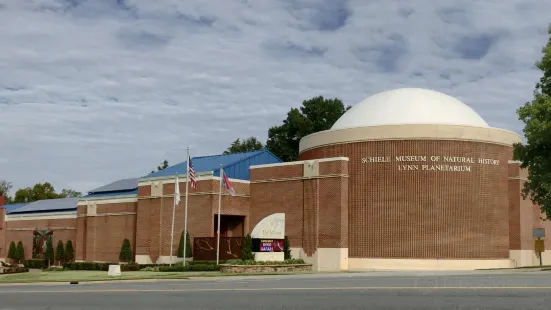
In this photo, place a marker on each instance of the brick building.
(408, 178)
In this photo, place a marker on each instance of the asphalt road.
(373, 290)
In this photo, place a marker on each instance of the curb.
(58, 283)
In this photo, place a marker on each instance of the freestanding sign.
(539, 245)
(268, 238)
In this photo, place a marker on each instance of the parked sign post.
(539, 244)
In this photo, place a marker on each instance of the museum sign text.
(431, 163)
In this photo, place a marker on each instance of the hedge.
(99, 266)
(298, 261)
(34, 263)
(190, 267)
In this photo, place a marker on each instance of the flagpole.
(185, 209)
(176, 192)
(219, 214)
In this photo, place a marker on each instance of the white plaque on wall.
(270, 227)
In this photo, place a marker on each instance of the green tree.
(535, 153)
(69, 252)
(247, 249)
(69, 193)
(181, 246)
(246, 145)
(59, 252)
(39, 191)
(287, 248)
(12, 252)
(126, 251)
(163, 166)
(5, 188)
(315, 114)
(49, 252)
(19, 252)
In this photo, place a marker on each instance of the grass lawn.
(66, 276)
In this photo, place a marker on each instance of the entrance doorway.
(230, 225)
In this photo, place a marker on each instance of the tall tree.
(59, 252)
(69, 251)
(19, 252)
(315, 114)
(12, 252)
(70, 193)
(246, 145)
(163, 166)
(125, 254)
(39, 191)
(49, 253)
(5, 188)
(535, 154)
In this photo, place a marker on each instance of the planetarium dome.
(408, 106)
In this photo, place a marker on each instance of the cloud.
(95, 91)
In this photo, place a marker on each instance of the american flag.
(191, 174)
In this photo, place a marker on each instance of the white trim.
(45, 228)
(323, 176)
(108, 214)
(107, 199)
(299, 162)
(205, 178)
(518, 178)
(41, 216)
(198, 176)
(408, 132)
(515, 162)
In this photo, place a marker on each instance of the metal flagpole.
(176, 192)
(219, 214)
(185, 210)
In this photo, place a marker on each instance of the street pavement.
(369, 290)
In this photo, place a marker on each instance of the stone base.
(324, 259)
(264, 268)
(426, 264)
(525, 258)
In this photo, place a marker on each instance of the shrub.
(34, 264)
(247, 250)
(12, 252)
(59, 252)
(253, 262)
(19, 252)
(188, 246)
(11, 270)
(99, 266)
(69, 252)
(126, 251)
(287, 248)
(49, 252)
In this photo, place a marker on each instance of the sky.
(99, 90)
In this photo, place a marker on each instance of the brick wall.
(154, 218)
(316, 208)
(99, 236)
(425, 214)
(22, 230)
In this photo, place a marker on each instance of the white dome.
(406, 106)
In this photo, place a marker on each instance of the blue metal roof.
(120, 185)
(13, 206)
(48, 205)
(235, 165)
(112, 194)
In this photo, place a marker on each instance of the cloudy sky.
(92, 91)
